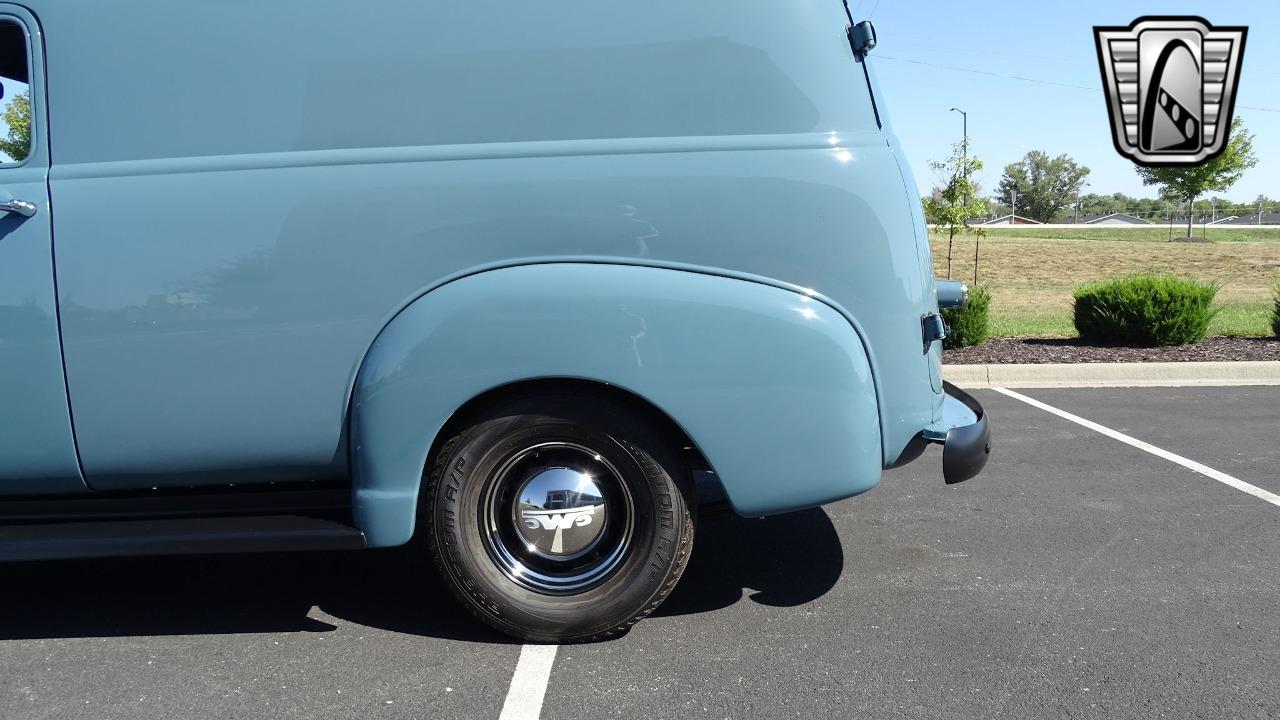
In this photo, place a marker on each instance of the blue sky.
(921, 41)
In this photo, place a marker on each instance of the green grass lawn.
(1032, 272)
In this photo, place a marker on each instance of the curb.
(1135, 374)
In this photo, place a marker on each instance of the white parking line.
(1205, 470)
(529, 683)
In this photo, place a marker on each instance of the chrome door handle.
(21, 207)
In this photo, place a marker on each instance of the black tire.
(647, 511)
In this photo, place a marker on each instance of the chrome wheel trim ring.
(527, 555)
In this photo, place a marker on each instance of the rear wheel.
(560, 517)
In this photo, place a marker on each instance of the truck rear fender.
(773, 386)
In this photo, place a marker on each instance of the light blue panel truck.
(529, 283)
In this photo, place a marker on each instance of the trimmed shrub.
(968, 325)
(1275, 314)
(1144, 310)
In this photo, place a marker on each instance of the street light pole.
(964, 165)
(964, 169)
(964, 141)
(964, 147)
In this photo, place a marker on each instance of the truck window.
(15, 94)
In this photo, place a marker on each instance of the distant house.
(1271, 218)
(1007, 220)
(1113, 219)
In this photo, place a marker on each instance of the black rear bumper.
(964, 434)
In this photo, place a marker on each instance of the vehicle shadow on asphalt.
(396, 590)
(785, 560)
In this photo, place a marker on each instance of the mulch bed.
(1072, 350)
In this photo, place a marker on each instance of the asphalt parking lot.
(1076, 577)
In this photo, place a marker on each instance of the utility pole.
(1013, 215)
(1083, 186)
(1213, 203)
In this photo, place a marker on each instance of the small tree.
(1186, 183)
(978, 234)
(957, 201)
(17, 115)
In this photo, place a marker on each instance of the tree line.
(1155, 209)
(1050, 189)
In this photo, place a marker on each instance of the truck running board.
(175, 536)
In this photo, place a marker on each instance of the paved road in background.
(1076, 577)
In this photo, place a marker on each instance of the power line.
(989, 73)
(1022, 78)
(952, 50)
